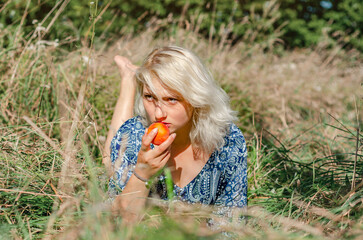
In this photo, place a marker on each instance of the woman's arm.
(149, 161)
(133, 197)
(124, 106)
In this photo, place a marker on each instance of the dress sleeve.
(234, 194)
(232, 199)
(124, 150)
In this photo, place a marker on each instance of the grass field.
(300, 111)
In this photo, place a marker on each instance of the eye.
(148, 97)
(173, 100)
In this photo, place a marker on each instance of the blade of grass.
(169, 183)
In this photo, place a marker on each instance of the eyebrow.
(174, 95)
(146, 90)
(170, 95)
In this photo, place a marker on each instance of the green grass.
(57, 106)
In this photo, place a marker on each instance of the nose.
(160, 113)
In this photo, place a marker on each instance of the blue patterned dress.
(222, 181)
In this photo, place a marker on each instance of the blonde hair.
(182, 71)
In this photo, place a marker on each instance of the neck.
(183, 146)
(179, 145)
(182, 140)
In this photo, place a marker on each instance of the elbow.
(121, 207)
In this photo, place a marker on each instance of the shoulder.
(130, 133)
(131, 126)
(235, 141)
(234, 150)
(235, 133)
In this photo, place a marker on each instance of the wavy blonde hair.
(182, 71)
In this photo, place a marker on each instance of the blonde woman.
(205, 152)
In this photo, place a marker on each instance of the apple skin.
(163, 132)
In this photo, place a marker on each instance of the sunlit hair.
(182, 71)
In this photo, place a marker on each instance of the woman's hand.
(150, 161)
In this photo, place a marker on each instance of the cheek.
(188, 111)
(149, 108)
(185, 114)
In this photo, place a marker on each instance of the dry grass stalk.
(279, 89)
(69, 167)
(44, 136)
(35, 193)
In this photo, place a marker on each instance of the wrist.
(140, 177)
(146, 181)
(141, 173)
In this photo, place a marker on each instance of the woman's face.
(168, 107)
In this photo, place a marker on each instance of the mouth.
(166, 124)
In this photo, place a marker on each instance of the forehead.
(159, 89)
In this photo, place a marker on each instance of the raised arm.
(124, 106)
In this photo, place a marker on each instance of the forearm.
(149, 161)
(132, 200)
(123, 111)
(124, 105)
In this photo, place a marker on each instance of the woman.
(205, 152)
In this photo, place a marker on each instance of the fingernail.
(154, 130)
(173, 135)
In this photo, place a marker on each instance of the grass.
(299, 111)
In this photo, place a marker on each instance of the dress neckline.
(209, 162)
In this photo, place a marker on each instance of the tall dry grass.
(299, 111)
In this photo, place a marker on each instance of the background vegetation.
(293, 70)
(296, 23)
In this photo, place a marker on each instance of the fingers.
(161, 160)
(166, 144)
(148, 138)
(165, 159)
(159, 150)
(154, 158)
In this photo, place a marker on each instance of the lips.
(167, 124)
